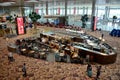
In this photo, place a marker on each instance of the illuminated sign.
(20, 25)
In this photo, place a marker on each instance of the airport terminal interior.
(59, 39)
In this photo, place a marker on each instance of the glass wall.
(101, 12)
(56, 8)
(89, 10)
(114, 12)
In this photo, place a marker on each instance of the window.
(80, 11)
(114, 12)
(101, 12)
(89, 11)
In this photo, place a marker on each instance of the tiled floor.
(43, 70)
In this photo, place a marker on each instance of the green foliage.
(11, 19)
(34, 16)
(84, 19)
(114, 17)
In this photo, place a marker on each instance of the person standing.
(98, 72)
(89, 70)
(102, 35)
(24, 70)
(10, 57)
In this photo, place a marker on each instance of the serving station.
(66, 46)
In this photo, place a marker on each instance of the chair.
(31, 53)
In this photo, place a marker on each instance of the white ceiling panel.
(98, 2)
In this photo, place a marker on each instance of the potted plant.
(84, 19)
(12, 21)
(114, 18)
(34, 17)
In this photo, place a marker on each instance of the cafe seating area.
(66, 46)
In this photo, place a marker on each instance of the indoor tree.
(34, 17)
(12, 21)
(84, 19)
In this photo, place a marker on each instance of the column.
(22, 8)
(53, 8)
(46, 7)
(3, 9)
(83, 10)
(93, 22)
(66, 22)
(74, 11)
(106, 13)
(65, 8)
(86, 10)
(33, 7)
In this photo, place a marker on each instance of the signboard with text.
(20, 25)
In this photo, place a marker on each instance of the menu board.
(20, 25)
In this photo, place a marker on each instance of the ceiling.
(18, 3)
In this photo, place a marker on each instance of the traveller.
(24, 70)
(89, 70)
(10, 57)
(102, 35)
(98, 71)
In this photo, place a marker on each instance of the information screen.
(20, 25)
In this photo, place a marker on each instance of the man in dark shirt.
(102, 35)
(24, 70)
(98, 72)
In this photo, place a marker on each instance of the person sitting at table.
(111, 52)
(18, 43)
(24, 44)
(75, 55)
(72, 48)
(43, 40)
(63, 55)
(29, 45)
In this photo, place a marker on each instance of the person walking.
(98, 72)
(24, 70)
(102, 35)
(89, 70)
(10, 57)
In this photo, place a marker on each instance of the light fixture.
(100, 38)
(31, 0)
(6, 3)
(103, 40)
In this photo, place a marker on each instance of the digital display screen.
(20, 25)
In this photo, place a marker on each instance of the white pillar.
(93, 14)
